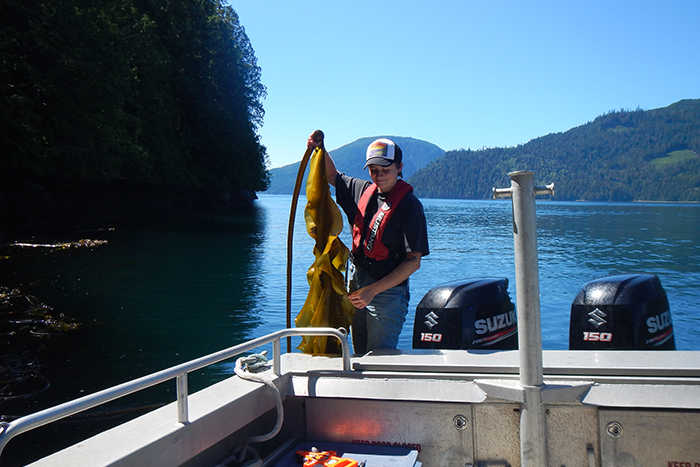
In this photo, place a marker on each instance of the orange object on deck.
(324, 458)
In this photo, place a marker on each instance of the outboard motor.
(621, 312)
(472, 314)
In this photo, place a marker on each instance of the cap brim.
(378, 161)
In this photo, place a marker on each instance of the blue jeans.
(379, 324)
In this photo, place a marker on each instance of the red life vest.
(373, 246)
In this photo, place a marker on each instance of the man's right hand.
(315, 140)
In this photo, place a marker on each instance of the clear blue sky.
(463, 74)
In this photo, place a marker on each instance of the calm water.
(159, 295)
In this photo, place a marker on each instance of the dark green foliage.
(621, 156)
(156, 92)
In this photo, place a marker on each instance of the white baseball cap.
(383, 152)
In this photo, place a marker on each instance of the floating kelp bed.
(25, 322)
(29, 330)
(83, 243)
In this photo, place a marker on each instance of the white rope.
(245, 368)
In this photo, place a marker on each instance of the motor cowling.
(621, 312)
(470, 314)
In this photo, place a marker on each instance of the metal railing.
(179, 373)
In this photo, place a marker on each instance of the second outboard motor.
(472, 314)
(621, 312)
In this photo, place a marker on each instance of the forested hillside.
(649, 155)
(145, 92)
(350, 159)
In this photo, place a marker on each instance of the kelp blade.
(327, 303)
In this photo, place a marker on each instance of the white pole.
(533, 422)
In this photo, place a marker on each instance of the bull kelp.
(327, 303)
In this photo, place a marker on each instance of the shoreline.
(58, 207)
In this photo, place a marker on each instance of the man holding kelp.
(389, 238)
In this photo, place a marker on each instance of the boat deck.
(454, 406)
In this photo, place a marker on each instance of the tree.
(146, 91)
